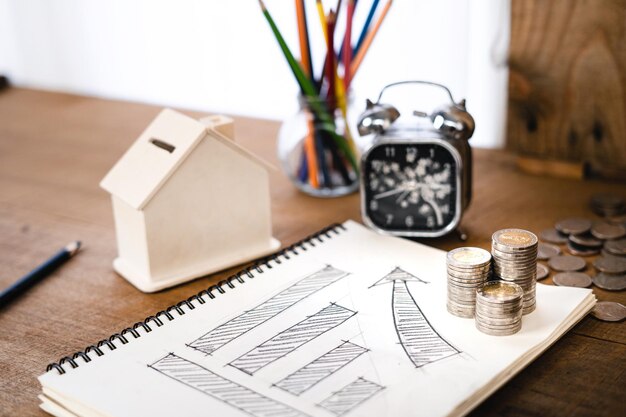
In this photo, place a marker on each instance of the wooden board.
(567, 85)
(55, 148)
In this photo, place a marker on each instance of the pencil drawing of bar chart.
(320, 368)
(351, 396)
(234, 328)
(290, 339)
(222, 389)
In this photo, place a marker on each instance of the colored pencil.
(311, 155)
(324, 149)
(347, 45)
(358, 59)
(366, 25)
(330, 70)
(39, 273)
(303, 35)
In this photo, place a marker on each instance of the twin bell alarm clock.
(416, 178)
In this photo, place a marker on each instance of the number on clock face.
(410, 187)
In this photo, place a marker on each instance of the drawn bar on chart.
(290, 339)
(350, 396)
(222, 389)
(320, 368)
(420, 341)
(232, 329)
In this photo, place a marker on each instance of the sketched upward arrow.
(420, 341)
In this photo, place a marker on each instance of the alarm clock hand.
(390, 192)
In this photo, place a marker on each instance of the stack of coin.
(499, 308)
(608, 205)
(514, 253)
(468, 269)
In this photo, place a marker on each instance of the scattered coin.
(552, 236)
(616, 247)
(546, 251)
(608, 231)
(573, 226)
(611, 282)
(567, 263)
(542, 271)
(609, 311)
(610, 265)
(617, 219)
(579, 250)
(586, 240)
(607, 254)
(572, 279)
(606, 204)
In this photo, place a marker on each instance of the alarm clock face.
(412, 189)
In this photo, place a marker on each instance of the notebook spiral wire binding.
(221, 287)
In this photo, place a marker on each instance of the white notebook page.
(354, 326)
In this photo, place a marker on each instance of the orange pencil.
(358, 59)
(305, 53)
(311, 155)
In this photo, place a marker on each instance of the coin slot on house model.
(163, 145)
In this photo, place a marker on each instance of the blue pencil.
(366, 26)
(38, 273)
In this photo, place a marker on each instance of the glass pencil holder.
(316, 148)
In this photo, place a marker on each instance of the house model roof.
(156, 155)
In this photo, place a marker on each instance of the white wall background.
(221, 56)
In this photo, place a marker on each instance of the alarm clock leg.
(462, 234)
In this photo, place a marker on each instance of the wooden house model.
(188, 201)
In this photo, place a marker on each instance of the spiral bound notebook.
(345, 322)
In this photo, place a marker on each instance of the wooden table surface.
(55, 148)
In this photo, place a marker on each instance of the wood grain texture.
(567, 85)
(55, 148)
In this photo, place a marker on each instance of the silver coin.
(609, 311)
(542, 271)
(460, 312)
(495, 324)
(567, 263)
(586, 240)
(607, 204)
(611, 282)
(611, 265)
(573, 226)
(572, 279)
(500, 291)
(552, 236)
(608, 231)
(529, 309)
(616, 247)
(491, 332)
(498, 324)
(520, 255)
(514, 267)
(514, 239)
(607, 200)
(498, 308)
(546, 251)
(578, 250)
(617, 219)
(468, 273)
(468, 257)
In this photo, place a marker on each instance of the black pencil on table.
(38, 273)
